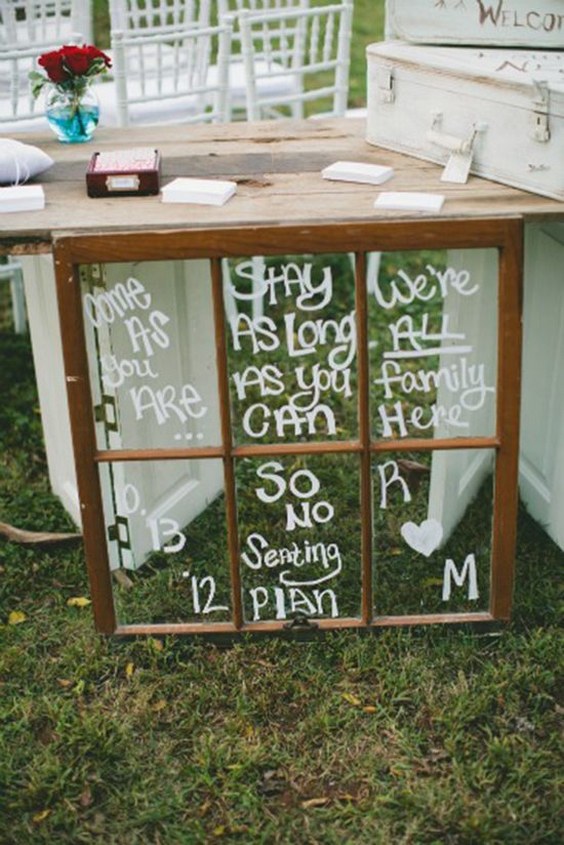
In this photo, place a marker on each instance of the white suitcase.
(505, 23)
(499, 113)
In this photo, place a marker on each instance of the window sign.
(153, 371)
(300, 537)
(416, 540)
(433, 342)
(295, 429)
(292, 355)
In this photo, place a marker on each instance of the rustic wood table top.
(276, 165)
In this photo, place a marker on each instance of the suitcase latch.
(541, 129)
(541, 108)
(385, 84)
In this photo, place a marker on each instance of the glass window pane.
(432, 328)
(291, 336)
(432, 531)
(151, 350)
(166, 530)
(299, 527)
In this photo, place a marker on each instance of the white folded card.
(22, 198)
(203, 191)
(356, 171)
(408, 201)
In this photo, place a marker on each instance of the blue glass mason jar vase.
(72, 115)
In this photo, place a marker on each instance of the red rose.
(94, 53)
(54, 67)
(76, 60)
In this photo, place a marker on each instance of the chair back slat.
(133, 15)
(171, 82)
(308, 47)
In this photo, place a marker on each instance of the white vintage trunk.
(503, 109)
(505, 23)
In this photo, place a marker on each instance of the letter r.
(385, 482)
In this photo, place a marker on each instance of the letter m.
(468, 571)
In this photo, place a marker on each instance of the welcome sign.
(502, 23)
(317, 432)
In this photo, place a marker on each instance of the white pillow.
(20, 162)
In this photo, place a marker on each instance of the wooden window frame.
(504, 234)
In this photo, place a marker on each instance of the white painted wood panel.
(503, 23)
(542, 416)
(43, 318)
(176, 491)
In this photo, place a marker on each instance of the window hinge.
(119, 532)
(106, 412)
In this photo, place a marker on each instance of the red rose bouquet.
(71, 107)
(71, 68)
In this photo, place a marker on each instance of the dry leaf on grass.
(315, 802)
(16, 617)
(351, 699)
(78, 601)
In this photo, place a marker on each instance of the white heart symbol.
(424, 538)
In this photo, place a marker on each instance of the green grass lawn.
(431, 735)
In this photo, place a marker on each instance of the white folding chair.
(19, 111)
(268, 83)
(310, 47)
(163, 90)
(139, 17)
(27, 22)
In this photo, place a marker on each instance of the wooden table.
(277, 167)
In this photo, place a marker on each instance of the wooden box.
(134, 172)
(503, 109)
(504, 23)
